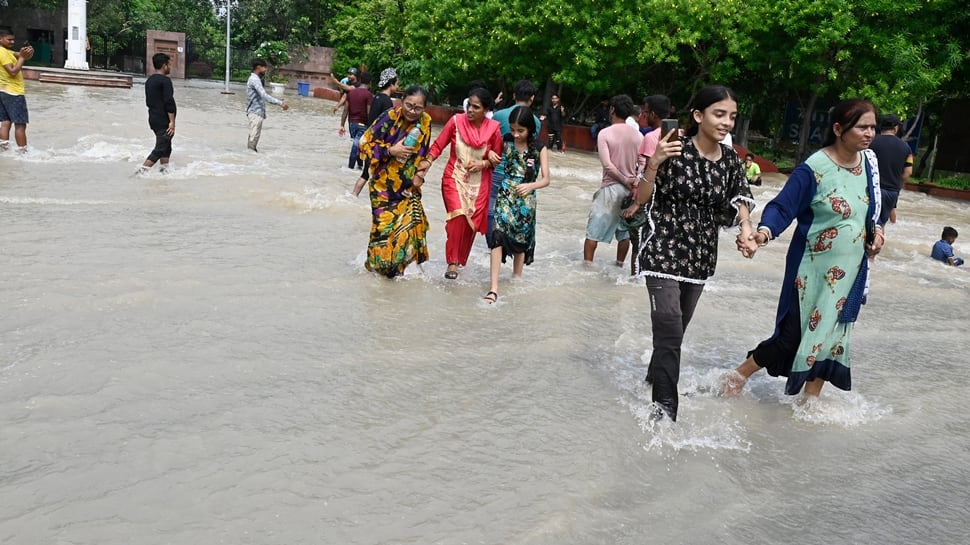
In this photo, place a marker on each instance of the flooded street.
(200, 357)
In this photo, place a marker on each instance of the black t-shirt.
(381, 104)
(554, 117)
(891, 152)
(160, 99)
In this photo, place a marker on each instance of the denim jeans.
(356, 131)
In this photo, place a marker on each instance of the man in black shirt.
(895, 164)
(160, 99)
(553, 118)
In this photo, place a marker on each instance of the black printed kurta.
(693, 197)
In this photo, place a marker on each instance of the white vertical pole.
(77, 34)
(228, 28)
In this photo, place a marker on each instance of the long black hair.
(704, 98)
(523, 116)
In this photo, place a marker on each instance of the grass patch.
(783, 157)
(951, 180)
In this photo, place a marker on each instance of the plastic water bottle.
(411, 139)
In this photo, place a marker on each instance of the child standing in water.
(525, 163)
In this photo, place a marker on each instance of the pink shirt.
(648, 147)
(618, 147)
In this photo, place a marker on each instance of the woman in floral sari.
(467, 180)
(392, 148)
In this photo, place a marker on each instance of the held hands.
(493, 157)
(477, 165)
(423, 166)
(749, 241)
(418, 180)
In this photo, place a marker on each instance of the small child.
(943, 249)
(752, 170)
(525, 163)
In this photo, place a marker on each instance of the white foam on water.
(321, 198)
(695, 433)
(837, 408)
(583, 174)
(51, 201)
(94, 148)
(705, 422)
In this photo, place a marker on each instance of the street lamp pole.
(228, 30)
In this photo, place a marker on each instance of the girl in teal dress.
(525, 163)
(832, 195)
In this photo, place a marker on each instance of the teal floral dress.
(515, 216)
(827, 270)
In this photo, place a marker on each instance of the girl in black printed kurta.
(693, 186)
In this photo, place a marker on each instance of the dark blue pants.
(356, 131)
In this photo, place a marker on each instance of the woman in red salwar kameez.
(467, 180)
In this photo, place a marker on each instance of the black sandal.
(452, 275)
(489, 297)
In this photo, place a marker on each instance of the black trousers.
(555, 139)
(672, 305)
(163, 146)
(777, 354)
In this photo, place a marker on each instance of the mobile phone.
(667, 125)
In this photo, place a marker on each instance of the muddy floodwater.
(199, 357)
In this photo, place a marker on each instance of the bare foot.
(732, 384)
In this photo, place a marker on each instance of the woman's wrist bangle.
(762, 230)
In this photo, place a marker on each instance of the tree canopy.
(906, 57)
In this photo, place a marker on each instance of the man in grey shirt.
(257, 97)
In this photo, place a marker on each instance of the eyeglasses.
(412, 108)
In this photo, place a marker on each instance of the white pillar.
(77, 35)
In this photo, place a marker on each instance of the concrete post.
(77, 35)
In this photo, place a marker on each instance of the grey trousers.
(255, 130)
(672, 305)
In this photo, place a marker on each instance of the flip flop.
(452, 274)
(491, 297)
